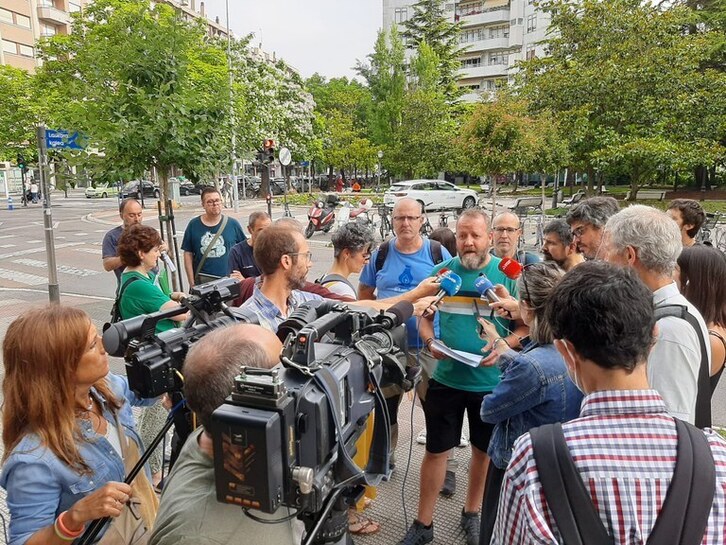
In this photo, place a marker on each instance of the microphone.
(443, 272)
(511, 268)
(450, 285)
(396, 315)
(486, 289)
(168, 262)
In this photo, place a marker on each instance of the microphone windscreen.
(482, 284)
(443, 272)
(451, 284)
(402, 310)
(510, 267)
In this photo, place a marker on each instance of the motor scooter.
(321, 215)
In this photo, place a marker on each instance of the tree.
(17, 113)
(629, 84)
(430, 25)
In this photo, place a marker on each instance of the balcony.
(54, 15)
(485, 45)
(496, 15)
(484, 71)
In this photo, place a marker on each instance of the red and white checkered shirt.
(624, 446)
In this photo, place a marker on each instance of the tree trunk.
(166, 207)
(590, 180)
(570, 180)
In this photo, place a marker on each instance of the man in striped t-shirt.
(624, 443)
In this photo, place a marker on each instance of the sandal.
(362, 525)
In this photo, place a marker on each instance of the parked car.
(101, 190)
(188, 188)
(432, 194)
(131, 189)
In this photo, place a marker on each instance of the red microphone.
(511, 268)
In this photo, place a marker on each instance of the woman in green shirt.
(138, 249)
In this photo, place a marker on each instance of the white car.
(433, 194)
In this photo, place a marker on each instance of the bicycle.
(385, 227)
(712, 221)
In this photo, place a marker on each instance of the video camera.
(285, 436)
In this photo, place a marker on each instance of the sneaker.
(421, 437)
(463, 441)
(470, 525)
(449, 484)
(418, 534)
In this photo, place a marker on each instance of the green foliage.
(634, 90)
(17, 113)
(147, 88)
(429, 25)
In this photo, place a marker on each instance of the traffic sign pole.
(53, 288)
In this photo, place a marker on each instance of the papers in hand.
(467, 358)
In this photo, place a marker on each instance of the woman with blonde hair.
(67, 423)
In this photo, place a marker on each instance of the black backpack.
(115, 309)
(683, 517)
(383, 253)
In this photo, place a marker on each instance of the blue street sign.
(63, 140)
(304, 163)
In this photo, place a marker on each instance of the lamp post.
(235, 189)
(380, 156)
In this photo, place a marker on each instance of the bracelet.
(494, 343)
(427, 342)
(64, 533)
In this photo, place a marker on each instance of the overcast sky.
(324, 36)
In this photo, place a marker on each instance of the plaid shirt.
(270, 316)
(624, 446)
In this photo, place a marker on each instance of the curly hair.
(134, 239)
(353, 237)
(692, 213)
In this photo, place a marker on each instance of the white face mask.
(572, 372)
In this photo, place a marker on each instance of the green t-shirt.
(460, 330)
(143, 297)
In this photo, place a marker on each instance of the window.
(472, 87)
(26, 50)
(498, 58)
(400, 15)
(73, 7)
(46, 3)
(471, 63)
(472, 35)
(531, 52)
(6, 16)
(499, 31)
(470, 9)
(532, 23)
(47, 30)
(10, 47)
(22, 20)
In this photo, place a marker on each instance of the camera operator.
(189, 512)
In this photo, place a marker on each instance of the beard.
(296, 281)
(473, 261)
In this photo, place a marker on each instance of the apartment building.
(24, 22)
(495, 35)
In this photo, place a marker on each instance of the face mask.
(572, 372)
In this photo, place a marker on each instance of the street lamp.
(380, 156)
(235, 189)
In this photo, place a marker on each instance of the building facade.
(495, 34)
(24, 22)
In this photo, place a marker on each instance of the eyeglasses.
(215, 201)
(578, 231)
(308, 255)
(404, 219)
(509, 230)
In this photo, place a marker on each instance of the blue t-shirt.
(401, 273)
(198, 236)
(242, 259)
(110, 247)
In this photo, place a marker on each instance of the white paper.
(467, 358)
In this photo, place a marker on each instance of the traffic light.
(268, 147)
(21, 163)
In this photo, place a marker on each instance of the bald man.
(506, 230)
(189, 512)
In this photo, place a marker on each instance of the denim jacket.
(534, 390)
(40, 486)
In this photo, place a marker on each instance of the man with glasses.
(506, 231)
(587, 221)
(208, 240)
(409, 260)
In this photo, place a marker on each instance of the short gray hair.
(652, 233)
(595, 211)
(352, 236)
(212, 365)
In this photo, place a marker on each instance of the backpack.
(383, 253)
(332, 278)
(703, 397)
(683, 518)
(116, 309)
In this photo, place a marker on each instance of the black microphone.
(396, 315)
